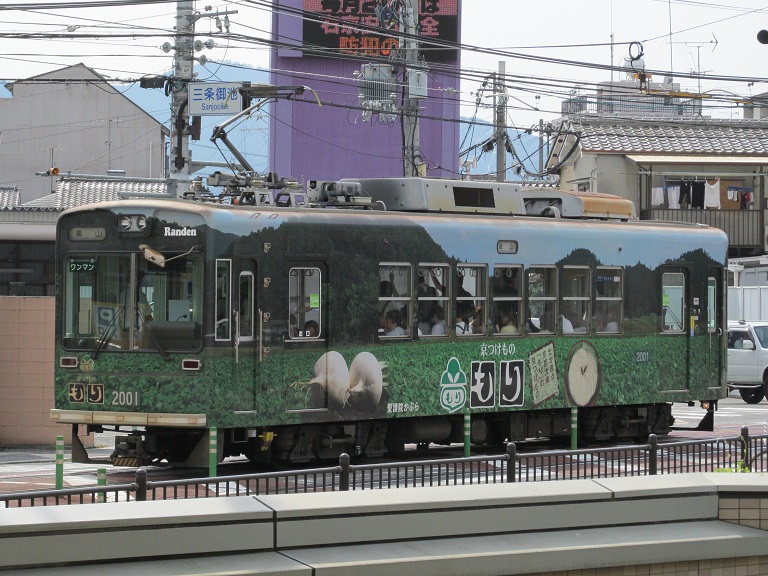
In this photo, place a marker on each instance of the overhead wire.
(527, 84)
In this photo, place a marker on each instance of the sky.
(715, 39)
(550, 49)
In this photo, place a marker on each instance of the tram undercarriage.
(297, 444)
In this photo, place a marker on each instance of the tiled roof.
(9, 197)
(71, 192)
(667, 136)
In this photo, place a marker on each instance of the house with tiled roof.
(688, 169)
(9, 197)
(72, 192)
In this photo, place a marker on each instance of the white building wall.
(617, 175)
(606, 173)
(85, 127)
(748, 303)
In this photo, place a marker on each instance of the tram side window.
(304, 299)
(223, 299)
(542, 299)
(246, 306)
(673, 301)
(609, 296)
(471, 299)
(507, 300)
(433, 293)
(577, 297)
(394, 300)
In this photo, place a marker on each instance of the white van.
(748, 359)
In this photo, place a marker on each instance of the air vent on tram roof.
(437, 195)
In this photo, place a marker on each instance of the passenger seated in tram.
(462, 326)
(311, 329)
(439, 327)
(392, 324)
(507, 323)
(464, 314)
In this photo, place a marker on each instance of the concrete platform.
(499, 530)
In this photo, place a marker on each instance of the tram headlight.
(132, 223)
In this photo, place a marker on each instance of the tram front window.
(118, 302)
(168, 304)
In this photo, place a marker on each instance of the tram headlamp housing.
(132, 223)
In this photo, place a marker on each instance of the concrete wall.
(26, 372)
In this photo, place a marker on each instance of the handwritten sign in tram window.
(543, 370)
(348, 26)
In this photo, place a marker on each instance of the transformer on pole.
(379, 87)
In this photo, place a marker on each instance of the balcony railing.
(743, 227)
(631, 104)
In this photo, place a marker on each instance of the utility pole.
(541, 149)
(500, 109)
(412, 161)
(183, 74)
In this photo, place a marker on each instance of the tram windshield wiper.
(106, 335)
(147, 325)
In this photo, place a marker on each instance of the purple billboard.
(336, 139)
(369, 27)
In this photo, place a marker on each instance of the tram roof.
(473, 197)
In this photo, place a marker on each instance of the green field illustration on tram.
(367, 316)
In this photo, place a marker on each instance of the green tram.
(361, 316)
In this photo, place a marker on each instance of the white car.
(748, 359)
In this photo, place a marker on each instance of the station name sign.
(335, 25)
(214, 98)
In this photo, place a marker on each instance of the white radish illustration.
(366, 381)
(330, 382)
(334, 386)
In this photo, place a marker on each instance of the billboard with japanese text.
(371, 27)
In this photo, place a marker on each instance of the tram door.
(676, 327)
(715, 328)
(248, 331)
(308, 323)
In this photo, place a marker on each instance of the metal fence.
(743, 453)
